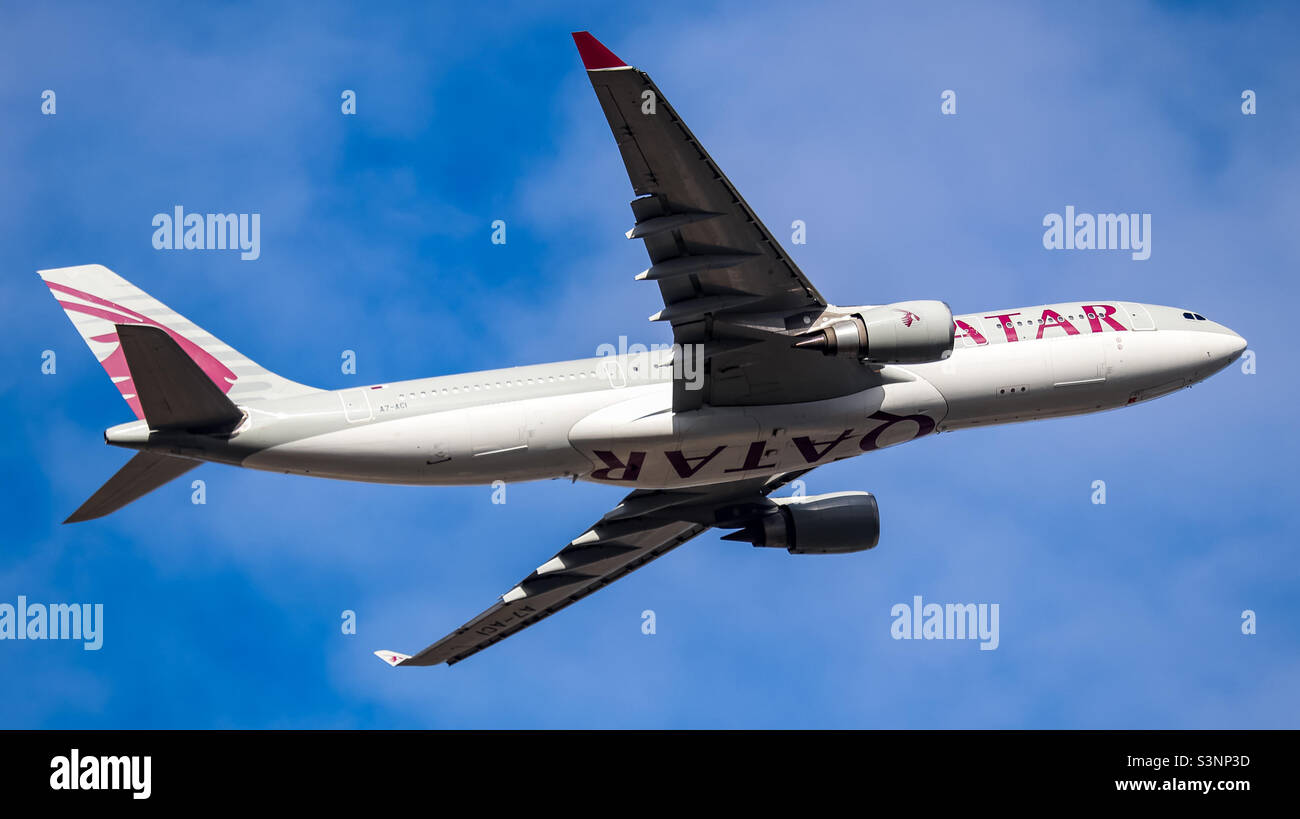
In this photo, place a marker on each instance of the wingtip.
(392, 657)
(595, 56)
(80, 516)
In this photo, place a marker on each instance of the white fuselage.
(610, 419)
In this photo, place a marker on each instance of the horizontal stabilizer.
(174, 392)
(142, 474)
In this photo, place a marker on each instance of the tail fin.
(142, 474)
(173, 391)
(96, 299)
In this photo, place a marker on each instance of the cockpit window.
(1188, 316)
(1199, 317)
(1194, 317)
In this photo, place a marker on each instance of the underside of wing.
(733, 295)
(644, 526)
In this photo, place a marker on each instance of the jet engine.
(816, 525)
(907, 332)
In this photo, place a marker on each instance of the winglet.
(392, 657)
(594, 54)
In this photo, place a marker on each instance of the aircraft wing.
(726, 282)
(645, 525)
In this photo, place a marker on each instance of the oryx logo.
(102, 773)
(908, 316)
(104, 336)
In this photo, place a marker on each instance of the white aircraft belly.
(640, 442)
(511, 441)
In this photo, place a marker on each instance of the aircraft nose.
(1238, 345)
(1220, 350)
(1230, 346)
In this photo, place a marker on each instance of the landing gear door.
(1080, 360)
(497, 429)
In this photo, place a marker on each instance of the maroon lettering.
(683, 464)
(1007, 327)
(870, 441)
(808, 447)
(631, 469)
(1051, 318)
(1096, 316)
(967, 331)
(752, 458)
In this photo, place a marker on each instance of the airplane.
(765, 380)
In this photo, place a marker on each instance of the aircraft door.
(1138, 316)
(356, 406)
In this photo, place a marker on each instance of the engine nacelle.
(907, 332)
(817, 525)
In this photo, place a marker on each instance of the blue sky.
(375, 238)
